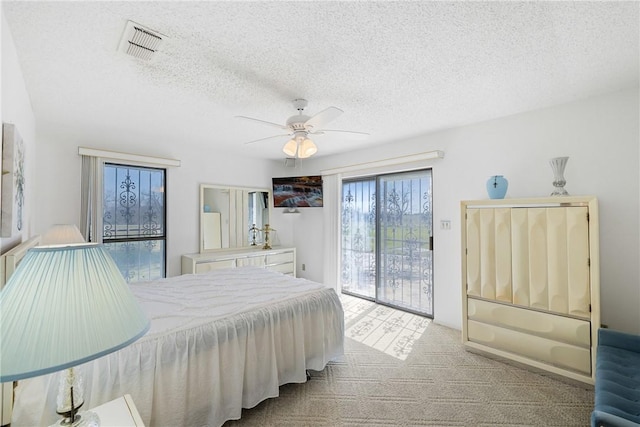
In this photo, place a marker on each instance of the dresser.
(282, 260)
(530, 275)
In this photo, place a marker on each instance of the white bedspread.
(218, 342)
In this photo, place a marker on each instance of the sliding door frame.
(416, 244)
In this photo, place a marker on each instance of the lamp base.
(82, 419)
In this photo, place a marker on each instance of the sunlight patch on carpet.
(383, 328)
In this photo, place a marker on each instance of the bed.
(219, 342)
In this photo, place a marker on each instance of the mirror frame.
(237, 227)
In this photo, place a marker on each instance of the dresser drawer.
(251, 261)
(203, 267)
(577, 359)
(546, 325)
(286, 268)
(279, 258)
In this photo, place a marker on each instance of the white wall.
(601, 137)
(16, 109)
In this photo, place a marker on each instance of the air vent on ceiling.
(140, 42)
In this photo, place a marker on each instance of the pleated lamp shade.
(64, 306)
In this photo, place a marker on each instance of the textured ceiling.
(397, 69)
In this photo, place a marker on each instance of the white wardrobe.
(530, 275)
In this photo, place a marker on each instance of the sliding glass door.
(387, 252)
(404, 239)
(359, 237)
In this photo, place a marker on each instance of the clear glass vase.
(557, 166)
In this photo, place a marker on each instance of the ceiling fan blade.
(262, 121)
(346, 133)
(323, 117)
(268, 137)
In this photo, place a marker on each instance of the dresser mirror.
(227, 215)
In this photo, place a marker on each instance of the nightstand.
(120, 412)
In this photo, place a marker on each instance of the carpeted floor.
(438, 383)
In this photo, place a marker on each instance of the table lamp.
(63, 306)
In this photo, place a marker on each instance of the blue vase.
(497, 187)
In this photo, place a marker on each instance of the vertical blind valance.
(129, 158)
(392, 164)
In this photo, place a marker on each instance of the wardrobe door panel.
(503, 254)
(520, 256)
(487, 254)
(557, 270)
(579, 292)
(537, 221)
(473, 251)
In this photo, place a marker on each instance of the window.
(133, 220)
(123, 206)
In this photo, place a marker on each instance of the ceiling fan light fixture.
(300, 126)
(290, 148)
(307, 148)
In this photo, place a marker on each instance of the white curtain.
(331, 218)
(91, 198)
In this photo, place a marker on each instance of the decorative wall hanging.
(497, 187)
(13, 181)
(297, 192)
(557, 166)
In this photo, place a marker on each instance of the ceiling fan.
(300, 126)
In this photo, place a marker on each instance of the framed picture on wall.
(297, 192)
(13, 181)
